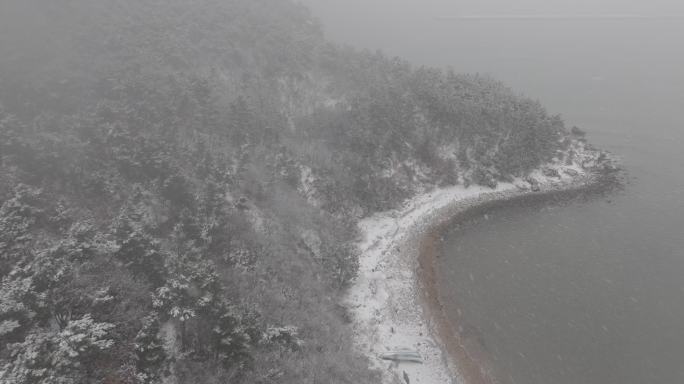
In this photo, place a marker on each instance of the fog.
(568, 64)
(615, 68)
(210, 191)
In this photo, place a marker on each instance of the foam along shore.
(387, 300)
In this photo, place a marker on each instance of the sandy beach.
(394, 300)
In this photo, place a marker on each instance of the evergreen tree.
(149, 350)
(57, 357)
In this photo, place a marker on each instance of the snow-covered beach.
(388, 301)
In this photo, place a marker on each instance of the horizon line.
(562, 17)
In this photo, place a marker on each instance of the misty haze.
(325, 191)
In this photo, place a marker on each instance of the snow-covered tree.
(16, 296)
(149, 351)
(231, 339)
(17, 216)
(57, 357)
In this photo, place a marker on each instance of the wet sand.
(471, 362)
(465, 350)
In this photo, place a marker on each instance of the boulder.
(551, 172)
(242, 203)
(570, 172)
(534, 184)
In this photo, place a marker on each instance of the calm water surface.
(588, 292)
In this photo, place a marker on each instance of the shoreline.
(394, 300)
(466, 354)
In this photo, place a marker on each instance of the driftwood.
(411, 356)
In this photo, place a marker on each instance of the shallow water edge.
(466, 357)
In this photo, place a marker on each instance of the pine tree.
(231, 339)
(240, 122)
(149, 350)
(57, 357)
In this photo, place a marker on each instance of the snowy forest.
(180, 183)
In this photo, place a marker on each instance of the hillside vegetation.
(180, 183)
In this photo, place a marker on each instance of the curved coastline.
(465, 354)
(394, 301)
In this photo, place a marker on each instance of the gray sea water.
(590, 292)
(586, 292)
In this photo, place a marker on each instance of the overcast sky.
(632, 69)
(368, 23)
(441, 7)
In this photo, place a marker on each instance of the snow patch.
(385, 300)
(307, 185)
